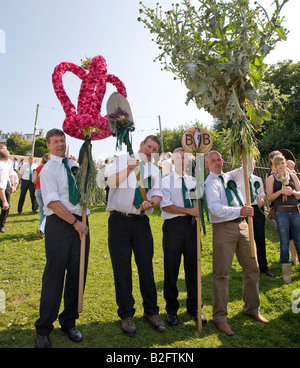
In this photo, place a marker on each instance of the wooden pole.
(82, 265)
(35, 123)
(199, 281)
(248, 202)
(161, 137)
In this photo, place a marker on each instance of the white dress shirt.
(4, 174)
(253, 179)
(172, 192)
(121, 198)
(217, 202)
(54, 185)
(25, 171)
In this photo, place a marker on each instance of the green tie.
(30, 173)
(227, 192)
(251, 192)
(73, 193)
(185, 193)
(138, 199)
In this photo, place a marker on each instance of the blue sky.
(40, 34)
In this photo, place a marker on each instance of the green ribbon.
(232, 185)
(121, 132)
(256, 186)
(227, 192)
(251, 192)
(185, 193)
(73, 192)
(200, 204)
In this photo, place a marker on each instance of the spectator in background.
(15, 164)
(290, 164)
(166, 164)
(4, 184)
(25, 176)
(283, 188)
(105, 169)
(21, 163)
(9, 188)
(38, 193)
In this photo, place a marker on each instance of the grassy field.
(22, 260)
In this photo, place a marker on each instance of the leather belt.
(238, 220)
(286, 208)
(124, 214)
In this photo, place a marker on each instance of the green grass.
(22, 260)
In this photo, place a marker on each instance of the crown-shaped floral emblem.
(93, 87)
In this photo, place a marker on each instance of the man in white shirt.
(230, 235)
(257, 202)
(4, 182)
(63, 233)
(129, 231)
(179, 236)
(25, 176)
(10, 187)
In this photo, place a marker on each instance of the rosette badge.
(87, 119)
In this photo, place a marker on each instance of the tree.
(283, 130)
(218, 51)
(40, 147)
(17, 145)
(172, 138)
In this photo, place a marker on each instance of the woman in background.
(36, 180)
(283, 188)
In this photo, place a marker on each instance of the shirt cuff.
(51, 197)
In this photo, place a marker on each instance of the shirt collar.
(57, 159)
(177, 176)
(214, 175)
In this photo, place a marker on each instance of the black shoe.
(2, 230)
(42, 342)
(268, 273)
(195, 316)
(172, 319)
(73, 334)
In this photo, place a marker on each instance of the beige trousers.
(230, 238)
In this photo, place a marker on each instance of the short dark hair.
(153, 137)
(52, 133)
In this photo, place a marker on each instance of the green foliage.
(17, 145)
(40, 147)
(283, 130)
(218, 51)
(172, 138)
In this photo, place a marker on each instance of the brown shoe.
(156, 322)
(128, 326)
(224, 327)
(259, 318)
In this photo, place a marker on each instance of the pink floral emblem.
(91, 94)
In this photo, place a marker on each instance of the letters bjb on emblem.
(197, 140)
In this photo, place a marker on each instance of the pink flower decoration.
(91, 94)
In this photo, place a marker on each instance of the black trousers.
(127, 235)
(4, 213)
(25, 186)
(180, 238)
(259, 237)
(62, 244)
